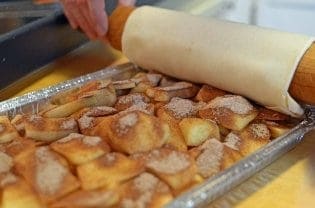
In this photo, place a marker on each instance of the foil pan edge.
(204, 193)
(31, 102)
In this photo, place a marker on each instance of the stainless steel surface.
(14, 14)
(207, 191)
(11, 23)
(21, 9)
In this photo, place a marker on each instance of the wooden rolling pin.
(301, 88)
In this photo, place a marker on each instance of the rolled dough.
(257, 63)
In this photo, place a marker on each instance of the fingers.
(127, 2)
(74, 24)
(98, 16)
(89, 15)
(79, 11)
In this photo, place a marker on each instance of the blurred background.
(288, 15)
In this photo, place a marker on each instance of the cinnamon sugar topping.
(126, 122)
(134, 102)
(235, 103)
(146, 185)
(259, 130)
(145, 182)
(143, 107)
(154, 78)
(208, 162)
(100, 111)
(133, 99)
(49, 172)
(85, 122)
(182, 107)
(68, 124)
(232, 140)
(126, 81)
(171, 163)
(91, 140)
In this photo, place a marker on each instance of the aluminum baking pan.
(211, 189)
(32, 102)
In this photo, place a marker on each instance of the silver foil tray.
(212, 188)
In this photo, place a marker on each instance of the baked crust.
(108, 171)
(135, 131)
(231, 111)
(7, 131)
(47, 172)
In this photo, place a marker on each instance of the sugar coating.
(100, 111)
(235, 103)
(126, 122)
(91, 140)
(146, 185)
(68, 124)
(145, 182)
(132, 99)
(85, 122)
(49, 172)
(232, 140)
(259, 130)
(171, 163)
(182, 107)
(143, 107)
(154, 78)
(126, 81)
(208, 162)
(135, 102)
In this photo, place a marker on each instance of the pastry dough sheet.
(257, 63)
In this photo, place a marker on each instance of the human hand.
(89, 15)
